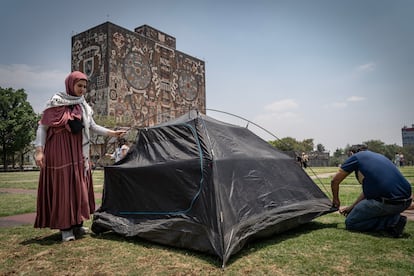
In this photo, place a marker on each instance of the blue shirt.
(381, 178)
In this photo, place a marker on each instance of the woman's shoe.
(80, 231)
(67, 235)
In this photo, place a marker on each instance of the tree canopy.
(18, 124)
(291, 144)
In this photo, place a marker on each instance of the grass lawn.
(321, 247)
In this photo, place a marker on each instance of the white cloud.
(339, 104)
(344, 104)
(355, 99)
(282, 105)
(367, 67)
(39, 83)
(269, 117)
(281, 118)
(22, 76)
(279, 111)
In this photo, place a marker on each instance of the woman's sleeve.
(99, 129)
(41, 135)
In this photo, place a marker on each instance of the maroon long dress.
(65, 192)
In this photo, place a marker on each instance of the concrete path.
(23, 219)
(17, 220)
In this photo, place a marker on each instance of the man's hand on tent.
(345, 211)
(336, 203)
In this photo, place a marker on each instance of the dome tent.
(202, 184)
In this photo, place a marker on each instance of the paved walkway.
(24, 219)
(17, 220)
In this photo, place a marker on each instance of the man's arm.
(336, 180)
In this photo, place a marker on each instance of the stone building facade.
(138, 77)
(407, 134)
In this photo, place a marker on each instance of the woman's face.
(79, 88)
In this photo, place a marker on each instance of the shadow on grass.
(52, 239)
(256, 245)
(251, 246)
(210, 259)
(45, 240)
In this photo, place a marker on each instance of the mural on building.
(138, 77)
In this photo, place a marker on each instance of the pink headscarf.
(59, 115)
(73, 78)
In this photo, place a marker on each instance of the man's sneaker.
(67, 235)
(397, 230)
(80, 231)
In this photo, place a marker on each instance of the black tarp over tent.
(202, 184)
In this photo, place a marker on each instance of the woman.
(65, 193)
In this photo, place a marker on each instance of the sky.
(337, 72)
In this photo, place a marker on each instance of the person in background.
(65, 193)
(402, 160)
(124, 150)
(397, 159)
(305, 160)
(299, 160)
(120, 152)
(385, 193)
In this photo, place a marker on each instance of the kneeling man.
(385, 193)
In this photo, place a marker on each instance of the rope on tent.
(321, 183)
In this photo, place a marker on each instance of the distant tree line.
(378, 146)
(18, 124)
(289, 144)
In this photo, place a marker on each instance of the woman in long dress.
(65, 193)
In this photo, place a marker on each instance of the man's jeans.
(371, 215)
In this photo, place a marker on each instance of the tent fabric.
(202, 184)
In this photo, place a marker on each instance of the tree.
(285, 144)
(339, 156)
(408, 152)
(18, 124)
(291, 144)
(376, 146)
(388, 151)
(307, 145)
(320, 148)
